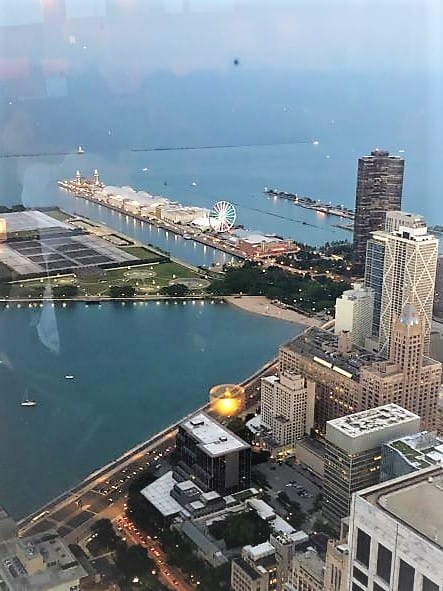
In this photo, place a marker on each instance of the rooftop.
(311, 562)
(322, 347)
(48, 548)
(415, 500)
(420, 449)
(248, 569)
(25, 221)
(215, 439)
(158, 493)
(374, 419)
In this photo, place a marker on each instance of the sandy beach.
(261, 305)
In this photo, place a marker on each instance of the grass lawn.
(147, 279)
(59, 215)
(141, 252)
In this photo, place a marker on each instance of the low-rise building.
(396, 534)
(310, 453)
(42, 562)
(353, 453)
(256, 570)
(409, 454)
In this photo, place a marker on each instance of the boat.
(80, 150)
(28, 402)
(69, 377)
(193, 184)
(145, 169)
(187, 236)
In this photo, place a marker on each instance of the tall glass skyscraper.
(379, 189)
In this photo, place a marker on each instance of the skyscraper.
(353, 453)
(409, 378)
(409, 269)
(354, 313)
(379, 189)
(396, 534)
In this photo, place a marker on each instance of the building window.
(360, 576)
(356, 587)
(384, 560)
(377, 587)
(406, 577)
(429, 585)
(363, 547)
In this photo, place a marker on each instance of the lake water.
(137, 369)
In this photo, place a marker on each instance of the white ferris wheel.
(222, 216)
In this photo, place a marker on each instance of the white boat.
(193, 184)
(69, 377)
(28, 402)
(80, 150)
(187, 236)
(145, 169)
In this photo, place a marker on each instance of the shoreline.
(262, 306)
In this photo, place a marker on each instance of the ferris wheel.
(222, 216)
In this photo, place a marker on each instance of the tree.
(121, 291)
(60, 291)
(133, 561)
(240, 530)
(104, 539)
(175, 290)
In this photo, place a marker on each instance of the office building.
(333, 365)
(212, 456)
(256, 569)
(379, 189)
(409, 378)
(409, 454)
(307, 572)
(438, 295)
(336, 565)
(439, 419)
(396, 534)
(353, 453)
(41, 562)
(287, 408)
(375, 260)
(409, 270)
(354, 313)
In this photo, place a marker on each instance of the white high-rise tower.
(409, 269)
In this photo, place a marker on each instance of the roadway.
(103, 493)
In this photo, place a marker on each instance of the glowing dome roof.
(408, 316)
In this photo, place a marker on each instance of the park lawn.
(58, 214)
(141, 252)
(99, 284)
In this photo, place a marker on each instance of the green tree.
(61, 291)
(176, 290)
(121, 291)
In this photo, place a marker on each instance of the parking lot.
(294, 480)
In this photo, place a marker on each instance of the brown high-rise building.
(352, 380)
(379, 189)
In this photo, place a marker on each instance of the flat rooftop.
(26, 221)
(60, 252)
(321, 346)
(158, 493)
(215, 439)
(374, 419)
(420, 449)
(53, 549)
(416, 500)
